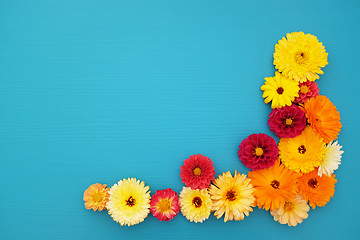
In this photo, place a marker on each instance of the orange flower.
(323, 117)
(273, 185)
(316, 189)
(96, 197)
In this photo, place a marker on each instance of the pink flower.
(197, 172)
(258, 151)
(164, 205)
(287, 122)
(308, 89)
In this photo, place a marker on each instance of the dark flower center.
(313, 183)
(197, 202)
(275, 184)
(302, 149)
(288, 206)
(280, 90)
(130, 201)
(230, 195)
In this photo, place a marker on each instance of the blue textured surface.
(96, 91)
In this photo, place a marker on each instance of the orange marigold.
(273, 185)
(96, 197)
(318, 190)
(323, 117)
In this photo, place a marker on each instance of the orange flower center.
(304, 89)
(302, 149)
(258, 151)
(197, 171)
(275, 184)
(288, 206)
(197, 202)
(313, 183)
(164, 205)
(300, 57)
(97, 197)
(280, 90)
(130, 201)
(288, 121)
(230, 195)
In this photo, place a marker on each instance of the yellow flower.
(96, 197)
(195, 204)
(300, 56)
(302, 153)
(129, 201)
(291, 212)
(232, 196)
(280, 90)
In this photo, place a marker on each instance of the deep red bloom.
(164, 205)
(258, 151)
(287, 122)
(197, 172)
(308, 89)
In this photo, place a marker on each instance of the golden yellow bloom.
(302, 153)
(129, 201)
(195, 204)
(232, 196)
(300, 56)
(96, 197)
(280, 90)
(292, 212)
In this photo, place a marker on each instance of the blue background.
(96, 91)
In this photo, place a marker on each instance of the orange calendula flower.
(318, 190)
(273, 185)
(323, 117)
(96, 197)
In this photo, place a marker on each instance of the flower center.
(288, 206)
(275, 184)
(288, 121)
(302, 149)
(258, 151)
(130, 201)
(304, 89)
(197, 202)
(197, 171)
(300, 57)
(317, 119)
(313, 183)
(280, 90)
(230, 195)
(164, 205)
(97, 197)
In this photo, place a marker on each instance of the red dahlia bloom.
(287, 122)
(197, 172)
(308, 89)
(258, 151)
(164, 205)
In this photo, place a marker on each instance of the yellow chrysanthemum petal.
(195, 204)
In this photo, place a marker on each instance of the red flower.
(197, 172)
(164, 205)
(287, 122)
(308, 89)
(258, 151)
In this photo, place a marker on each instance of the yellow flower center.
(258, 151)
(289, 121)
(164, 205)
(302, 149)
(300, 57)
(197, 202)
(97, 197)
(313, 183)
(197, 171)
(230, 195)
(130, 201)
(275, 184)
(288, 206)
(304, 89)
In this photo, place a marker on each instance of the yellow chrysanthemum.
(292, 212)
(129, 201)
(195, 204)
(280, 90)
(96, 197)
(232, 196)
(331, 160)
(302, 153)
(300, 56)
